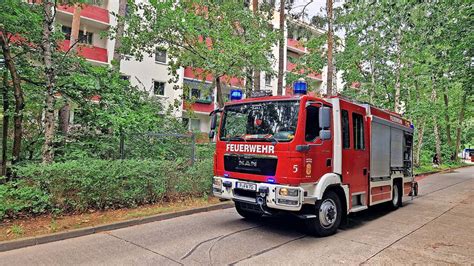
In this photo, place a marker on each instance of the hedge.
(76, 186)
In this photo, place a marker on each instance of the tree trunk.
(76, 25)
(281, 49)
(6, 116)
(256, 73)
(419, 142)
(435, 127)
(220, 100)
(459, 127)
(330, 41)
(372, 81)
(397, 104)
(446, 117)
(118, 36)
(49, 121)
(19, 100)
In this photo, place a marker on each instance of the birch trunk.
(49, 119)
(419, 143)
(435, 128)
(118, 36)
(281, 50)
(330, 72)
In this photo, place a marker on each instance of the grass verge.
(47, 224)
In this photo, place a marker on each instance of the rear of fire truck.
(284, 154)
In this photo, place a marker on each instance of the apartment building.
(151, 74)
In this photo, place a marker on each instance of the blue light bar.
(236, 95)
(300, 86)
(271, 180)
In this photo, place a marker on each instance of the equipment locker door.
(355, 149)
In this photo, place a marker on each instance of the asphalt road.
(437, 227)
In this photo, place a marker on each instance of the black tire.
(397, 196)
(251, 215)
(328, 216)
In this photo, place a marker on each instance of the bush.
(76, 186)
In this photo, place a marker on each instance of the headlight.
(288, 192)
(217, 182)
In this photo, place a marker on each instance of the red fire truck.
(319, 159)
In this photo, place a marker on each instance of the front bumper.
(267, 195)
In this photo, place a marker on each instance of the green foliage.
(22, 197)
(77, 186)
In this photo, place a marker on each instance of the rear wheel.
(396, 196)
(328, 215)
(251, 215)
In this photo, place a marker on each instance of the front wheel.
(328, 215)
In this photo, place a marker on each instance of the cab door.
(355, 150)
(318, 159)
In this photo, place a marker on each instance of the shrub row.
(76, 186)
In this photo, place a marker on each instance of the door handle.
(364, 171)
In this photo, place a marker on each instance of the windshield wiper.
(270, 138)
(236, 138)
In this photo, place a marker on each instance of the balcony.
(291, 67)
(89, 52)
(197, 74)
(94, 13)
(199, 107)
(295, 46)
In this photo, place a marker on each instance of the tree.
(281, 48)
(50, 78)
(15, 40)
(218, 39)
(119, 33)
(330, 44)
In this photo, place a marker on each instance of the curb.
(423, 175)
(32, 241)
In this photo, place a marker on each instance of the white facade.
(151, 74)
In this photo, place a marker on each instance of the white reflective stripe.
(337, 142)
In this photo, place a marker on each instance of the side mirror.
(325, 134)
(213, 121)
(324, 117)
(211, 134)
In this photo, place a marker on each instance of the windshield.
(264, 121)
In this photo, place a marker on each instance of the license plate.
(246, 186)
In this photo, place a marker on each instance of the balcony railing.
(295, 45)
(88, 51)
(291, 67)
(89, 11)
(199, 107)
(197, 74)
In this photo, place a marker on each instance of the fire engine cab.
(319, 159)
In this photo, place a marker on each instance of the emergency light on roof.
(235, 95)
(300, 86)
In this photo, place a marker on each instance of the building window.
(358, 131)
(125, 77)
(159, 88)
(195, 125)
(312, 123)
(346, 141)
(268, 80)
(198, 91)
(83, 37)
(160, 56)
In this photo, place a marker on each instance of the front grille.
(250, 165)
(249, 206)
